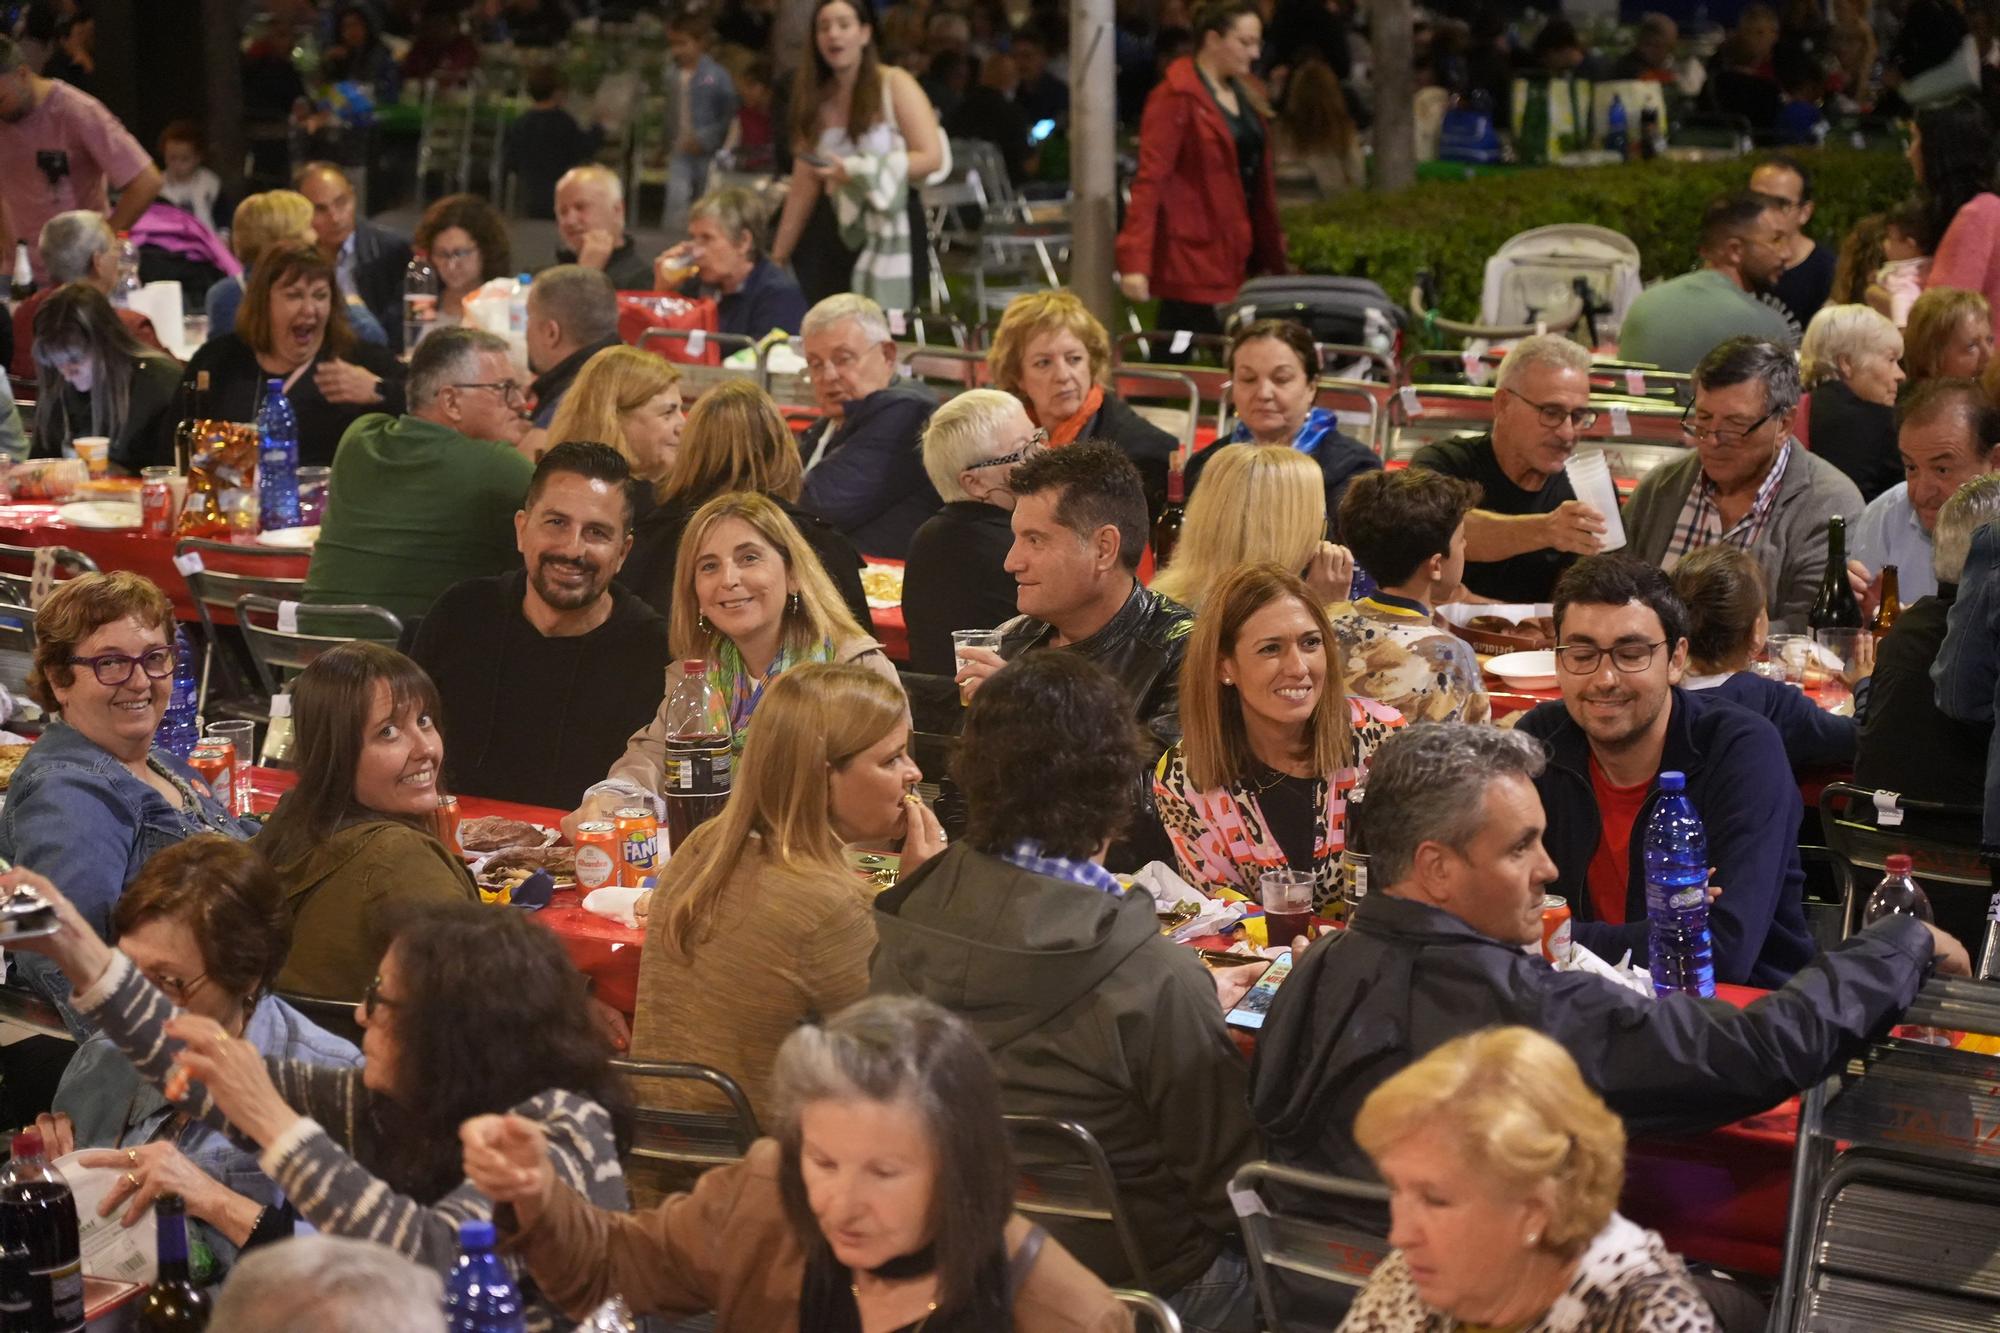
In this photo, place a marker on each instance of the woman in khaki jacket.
(885, 1201)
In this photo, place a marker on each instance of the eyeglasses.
(1704, 434)
(1583, 659)
(116, 668)
(373, 999)
(453, 256)
(1034, 444)
(507, 389)
(1552, 415)
(173, 987)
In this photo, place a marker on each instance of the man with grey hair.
(572, 316)
(1529, 524)
(1746, 481)
(590, 214)
(863, 457)
(425, 500)
(328, 1284)
(1908, 744)
(77, 246)
(957, 572)
(723, 258)
(59, 150)
(1947, 433)
(1445, 944)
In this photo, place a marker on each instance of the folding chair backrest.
(687, 1137)
(1864, 827)
(17, 646)
(695, 380)
(1168, 398)
(17, 569)
(336, 1016)
(284, 637)
(948, 369)
(1150, 1314)
(1066, 1183)
(1305, 1255)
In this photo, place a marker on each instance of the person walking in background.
(544, 142)
(1204, 211)
(704, 106)
(1951, 152)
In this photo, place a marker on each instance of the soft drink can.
(638, 845)
(448, 817)
(597, 855)
(156, 507)
(215, 762)
(1555, 929)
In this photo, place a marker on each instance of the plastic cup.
(243, 735)
(1788, 654)
(313, 486)
(95, 451)
(1845, 657)
(961, 639)
(1590, 478)
(1287, 899)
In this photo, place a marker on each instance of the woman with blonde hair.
(1258, 502)
(1271, 742)
(630, 400)
(1850, 363)
(735, 440)
(1949, 335)
(750, 602)
(759, 925)
(1504, 1171)
(262, 221)
(1052, 354)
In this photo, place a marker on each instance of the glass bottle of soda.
(173, 1304)
(1167, 528)
(695, 784)
(38, 1216)
(1891, 606)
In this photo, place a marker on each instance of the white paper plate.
(109, 514)
(293, 539)
(1534, 670)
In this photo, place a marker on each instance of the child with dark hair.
(544, 142)
(186, 182)
(1907, 241)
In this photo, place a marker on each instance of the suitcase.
(1355, 312)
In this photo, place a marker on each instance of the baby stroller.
(1535, 273)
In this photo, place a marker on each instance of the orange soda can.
(448, 817)
(215, 762)
(1555, 929)
(638, 845)
(597, 855)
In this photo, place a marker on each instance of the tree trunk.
(1395, 94)
(1093, 154)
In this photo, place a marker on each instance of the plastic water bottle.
(1897, 893)
(1676, 851)
(420, 300)
(128, 271)
(180, 728)
(38, 1216)
(697, 778)
(481, 1296)
(277, 460)
(1617, 129)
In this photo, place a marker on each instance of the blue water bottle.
(1676, 851)
(277, 460)
(1618, 129)
(179, 727)
(481, 1296)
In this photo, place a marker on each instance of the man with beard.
(418, 502)
(1675, 324)
(1621, 650)
(59, 148)
(544, 672)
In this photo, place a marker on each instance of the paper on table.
(117, 1253)
(615, 903)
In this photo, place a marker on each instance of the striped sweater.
(320, 1161)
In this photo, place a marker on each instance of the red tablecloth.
(601, 948)
(37, 525)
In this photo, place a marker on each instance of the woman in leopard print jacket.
(1504, 1169)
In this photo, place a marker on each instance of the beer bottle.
(1835, 607)
(1167, 529)
(1353, 856)
(190, 426)
(1890, 607)
(173, 1304)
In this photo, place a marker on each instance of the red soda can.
(597, 855)
(156, 507)
(1555, 929)
(638, 845)
(448, 817)
(215, 763)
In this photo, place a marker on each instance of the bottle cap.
(28, 1143)
(476, 1234)
(1673, 782)
(694, 665)
(1897, 864)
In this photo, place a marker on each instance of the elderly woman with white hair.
(957, 577)
(1504, 1170)
(1850, 361)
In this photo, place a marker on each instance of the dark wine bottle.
(196, 407)
(1167, 528)
(173, 1304)
(1835, 606)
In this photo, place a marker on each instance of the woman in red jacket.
(1204, 212)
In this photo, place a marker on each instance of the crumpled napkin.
(615, 903)
(1169, 891)
(1624, 972)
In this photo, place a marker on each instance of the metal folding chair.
(698, 1139)
(1312, 1259)
(219, 573)
(1149, 1312)
(1168, 398)
(1066, 1180)
(698, 379)
(1942, 840)
(17, 569)
(284, 636)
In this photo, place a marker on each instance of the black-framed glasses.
(507, 389)
(453, 256)
(1583, 659)
(1703, 434)
(1036, 442)
(1552, 415)
(173, 987)
(116, 668)
(373, 999)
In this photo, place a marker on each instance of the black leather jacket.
(1141, 646)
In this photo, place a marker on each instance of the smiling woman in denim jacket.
(94, 799)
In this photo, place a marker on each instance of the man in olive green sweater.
(422, 501)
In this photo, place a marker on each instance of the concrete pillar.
(1093, 154)
(1395, 94)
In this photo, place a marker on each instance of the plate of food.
(290, 539)
(496, 833)
(1526, 671)
(884, 586)
(10, 760)
(109, 515)
(517, 863)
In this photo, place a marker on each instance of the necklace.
(855, 1289)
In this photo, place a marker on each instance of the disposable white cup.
(1590, 478)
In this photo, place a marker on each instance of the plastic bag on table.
(641, 312)
(222, 467)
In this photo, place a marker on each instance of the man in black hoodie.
(545, 672)
(1090, 1014)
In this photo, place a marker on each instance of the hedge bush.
(1454, 227)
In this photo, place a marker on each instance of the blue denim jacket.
(78, 816)
(111, 1106)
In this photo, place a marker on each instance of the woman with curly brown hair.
(467, 243)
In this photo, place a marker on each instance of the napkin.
(1626, 975)
(615, 903)
(1169, 891)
